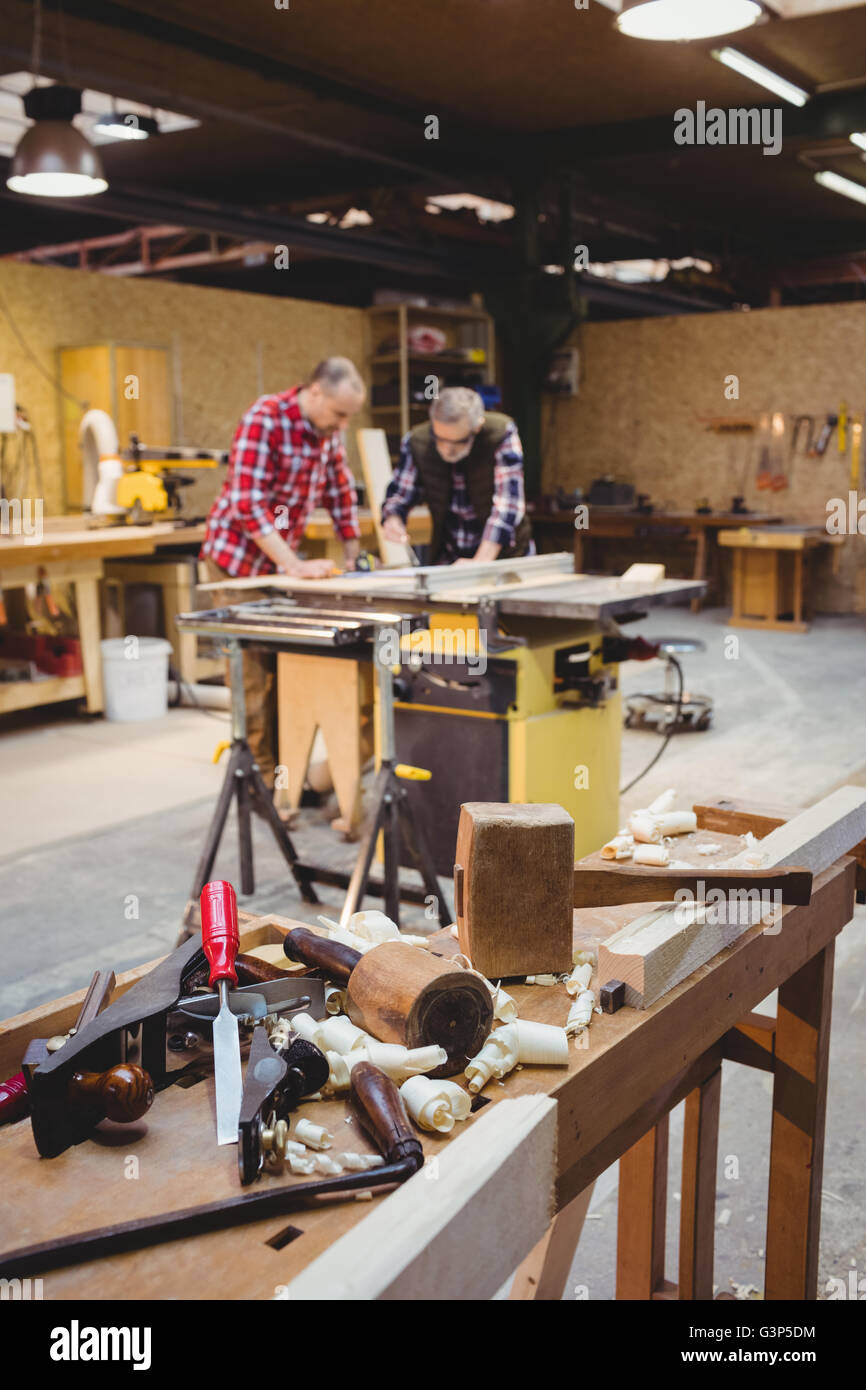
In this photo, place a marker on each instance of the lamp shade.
(681, 20)
(53, 159)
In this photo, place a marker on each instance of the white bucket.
(135, 673)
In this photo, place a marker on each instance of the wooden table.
(697, 528)
(484, 1200)
(71, 553)
(770, 570)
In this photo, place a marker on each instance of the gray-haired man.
(468, 468)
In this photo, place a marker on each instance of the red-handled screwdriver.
(220, 939)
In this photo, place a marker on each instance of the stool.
(660, 707)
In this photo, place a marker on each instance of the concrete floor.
(102, 825)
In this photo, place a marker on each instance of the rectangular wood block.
(513, 887)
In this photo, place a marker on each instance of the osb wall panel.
(646, 383)
(227, 347)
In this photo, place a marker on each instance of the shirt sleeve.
(403, 492)
(509, 505)
(339, 496)
(253, 462)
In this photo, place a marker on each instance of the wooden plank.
(376, 465)
(89, 631)
(640, 1231)
(658, 950)
(698, 1194)
(25, 694)
(797, 1139)
(818, 836)
(447, 1232)
(543, 1275)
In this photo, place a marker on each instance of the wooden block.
(735, 817)
(513, 884)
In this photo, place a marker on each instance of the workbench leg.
(640, 1234)
(737, 587)
(89, 632)
(544, 1273)
(797, 1140)
(798, 586)
(178, 597)
(700, 570)
(698, 1197)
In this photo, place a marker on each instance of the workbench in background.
(658, 533)
(458, 1230)
(771, 574)
(72, 553)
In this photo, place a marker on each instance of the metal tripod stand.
(244, 782)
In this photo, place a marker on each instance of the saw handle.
(123, 1093)
(334, 957)
(220, 936)
(380, 1109)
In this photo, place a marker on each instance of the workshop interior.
(432, 660)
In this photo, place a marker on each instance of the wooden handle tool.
(220, 937)
(607, 885)
(123, 1093)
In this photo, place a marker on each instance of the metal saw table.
(513, 694)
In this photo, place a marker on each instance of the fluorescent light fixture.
(686, 19)
(847, 187)
(858, 139)
(747, 67)
(126, 125)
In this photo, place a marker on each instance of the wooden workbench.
(770, 572)
(666, 528)
(611, 1102)
(71, 553)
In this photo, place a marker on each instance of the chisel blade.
(227, 1075)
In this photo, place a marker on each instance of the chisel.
(220, 939)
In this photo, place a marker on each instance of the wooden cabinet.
(131, 381)
(401, 380)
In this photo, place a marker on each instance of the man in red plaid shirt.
(287, 458)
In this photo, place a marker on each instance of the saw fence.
(511, 1189)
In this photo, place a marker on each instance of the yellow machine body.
(143, 488)
(539, 721)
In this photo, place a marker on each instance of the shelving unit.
(466, 329)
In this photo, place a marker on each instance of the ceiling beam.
(155, 206)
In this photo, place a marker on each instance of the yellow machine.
(153, 486)
(535, 722)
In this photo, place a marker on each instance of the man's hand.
(311, 569)
(464, 560)
(394, 530)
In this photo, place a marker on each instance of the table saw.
(510, 694)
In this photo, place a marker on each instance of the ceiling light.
(126, 125)
(53, 159)
(747, 67)
(685, 19)
(846, 187)
(858, 139)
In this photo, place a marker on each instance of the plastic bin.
(135, 673)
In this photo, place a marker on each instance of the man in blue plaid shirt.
(468, 468)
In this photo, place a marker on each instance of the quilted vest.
(435, 476)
